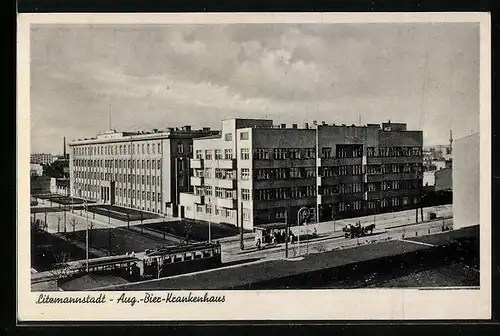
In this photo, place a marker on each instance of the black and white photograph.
(209, 160)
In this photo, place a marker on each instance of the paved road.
(337, 241)
(382, 221)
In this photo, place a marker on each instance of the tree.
(61, 267)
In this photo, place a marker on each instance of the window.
(245, 154)
(246, 214)
(370, 151)
(228, 154)
(207, 172)
(261, 154)
(159, 164)
(244, 136)
(180, 148)
(326, 152)
(208, 190)
(199, 154)
(219, 192)
(280, 153)
(245, 173)
(159, 148)
(143, 150)
(228, 137)
(208, 154)
(208, 208)
(245, 194)
(148, 148)
(153, 164)
(218, 154)
(190, 148)
(199, 208)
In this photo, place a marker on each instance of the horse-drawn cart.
(356, 231)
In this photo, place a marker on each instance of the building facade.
(41, 158)
(256, 173)
(466, 181)
(139, 170)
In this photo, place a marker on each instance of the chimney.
(323, 123)
(283, 125)
(64, 147)
(186, 128)
(306, 126)
(155, 130)
(294, 125)
(206, 129)
(315, 122)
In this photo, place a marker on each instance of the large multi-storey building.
(256, 173)
(42, 158)
(140, 170)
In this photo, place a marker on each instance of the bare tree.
(61, 267)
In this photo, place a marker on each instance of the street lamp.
(303, 212)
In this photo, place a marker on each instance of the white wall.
(465, 177)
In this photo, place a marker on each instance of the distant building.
(140, 170)
(36, 169)
(466, 187)
(60, 186)
(443, 180)
(256, 173)
(41, 158)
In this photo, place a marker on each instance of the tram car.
(356, 231)
(180, 259)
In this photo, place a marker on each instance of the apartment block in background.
(140, 170)
(257, 173)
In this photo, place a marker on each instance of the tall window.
(218, 154)
(245, 194)
(199, 154)
(180, 148)
(245, 173)
(244, 136)
(245, 154)
(228, 154)
(208, 154)
(148, 148)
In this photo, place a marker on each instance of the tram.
(181, 259)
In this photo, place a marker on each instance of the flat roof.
(247, 274)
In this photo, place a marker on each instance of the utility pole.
(287, 236)
(242, 245)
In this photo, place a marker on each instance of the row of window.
(284, 193)
(398, 151)
(144, 164)
(284, 173)
(121, 192)
(217, 210)
(145, 148)
(284, 153)
(125, 178)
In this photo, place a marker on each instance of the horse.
(369, 228)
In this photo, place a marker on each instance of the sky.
(159, 76)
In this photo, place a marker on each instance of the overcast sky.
(172, 75)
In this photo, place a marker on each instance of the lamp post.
(86, 235)
(303, 212)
